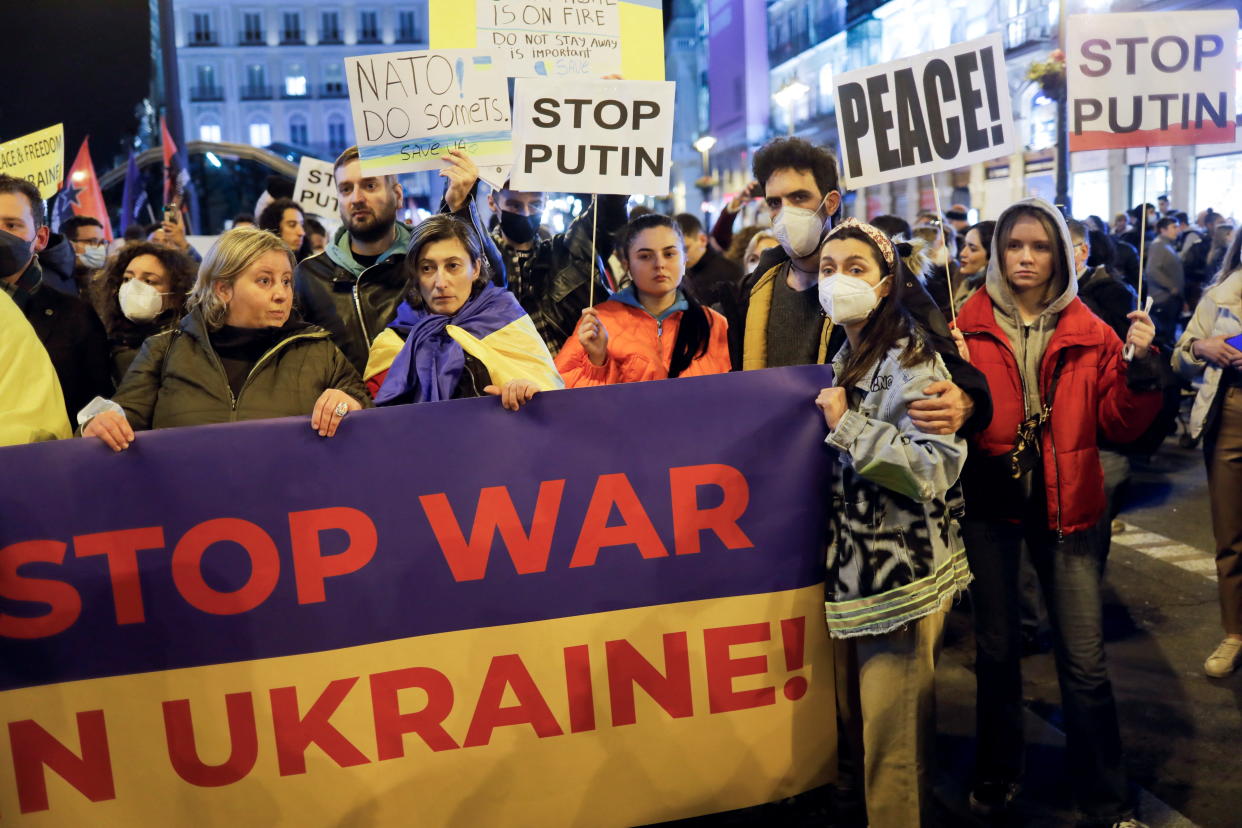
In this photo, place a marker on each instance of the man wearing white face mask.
(142, 293)
(782, 321)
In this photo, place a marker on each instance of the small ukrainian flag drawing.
(483, 62)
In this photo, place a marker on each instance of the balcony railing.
(333, 90)
(332, 36)
(202, 39)
(206, 93)
(292, 39)
(256, 93)
(251, 39)
(409, 36)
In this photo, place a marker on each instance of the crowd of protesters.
(963, 454)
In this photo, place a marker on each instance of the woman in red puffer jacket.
(1059, 380)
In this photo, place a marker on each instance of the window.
(334, 81)
(295, 81)
(826, 103)
(336, 134)
(205, 88)
(368, 27)
(330, 27)
(407, 31)
(200, 30)
(252, 29)
(291, 31)
(209, 132)
(1157, 183)
(260, 134)
(298, 133)
(256, 83)
(1090, 193)
(1218, 179)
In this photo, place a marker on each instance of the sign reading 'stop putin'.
(925, 114)
(1151, 80)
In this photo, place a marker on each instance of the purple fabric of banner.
(762, 423)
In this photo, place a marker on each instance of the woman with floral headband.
(895, 559)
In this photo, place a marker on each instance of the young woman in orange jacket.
(652, 329)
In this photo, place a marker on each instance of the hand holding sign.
(593, 336)
(462, 175)
(1141, 334)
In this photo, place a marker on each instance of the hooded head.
(1032, 255)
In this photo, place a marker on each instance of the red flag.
(81, 195)
(172, 173)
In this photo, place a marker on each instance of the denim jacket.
(894, 550)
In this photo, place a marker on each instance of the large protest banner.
(411, 108)
(925, 114)
(605, 609)
(556, 38)
(593, 136)
(1150, 79)
(38, 157)
(315, 188)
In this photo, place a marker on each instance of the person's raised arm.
(461, 200)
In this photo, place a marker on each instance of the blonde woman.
(236, 355)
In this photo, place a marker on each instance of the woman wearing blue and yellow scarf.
(457, 335)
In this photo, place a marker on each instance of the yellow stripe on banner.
(726, 747)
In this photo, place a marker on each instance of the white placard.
(592, 136)
(1151, 80)
(315, 189)
(551, 38)
(925, 114)
(411, 108)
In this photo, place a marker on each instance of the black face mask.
(519, 229)
(14, 253)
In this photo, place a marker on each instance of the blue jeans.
(1069, 574)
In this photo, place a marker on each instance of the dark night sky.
(83, 62)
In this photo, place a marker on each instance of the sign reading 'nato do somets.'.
(411, 108)
(1152, 80)
(593, 136)
(925, 114)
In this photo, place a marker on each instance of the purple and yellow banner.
(605, 609)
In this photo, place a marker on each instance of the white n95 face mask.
(846, 299)
(95, 257)
(139, 301)
(798, 230)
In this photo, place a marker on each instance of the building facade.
(810, 41)
(260, 73)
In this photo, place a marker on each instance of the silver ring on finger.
(342, 408)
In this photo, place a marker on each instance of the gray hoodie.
(1029, 341)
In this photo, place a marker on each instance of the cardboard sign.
(932, 112)
(411, 108)
(38, 157)
(593, 136)
(535, 38)
(1151, 80)
(315, 190)
(485, 23)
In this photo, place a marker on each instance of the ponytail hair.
(695, 331)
